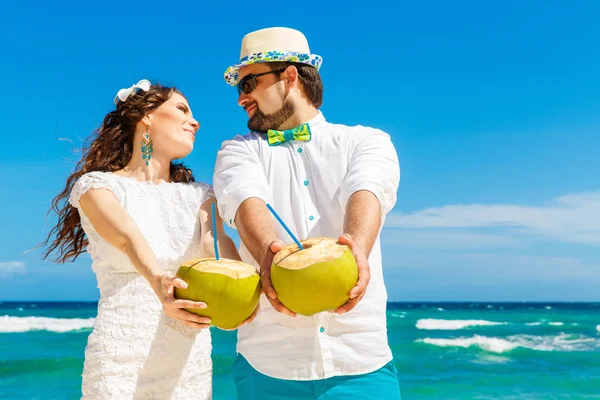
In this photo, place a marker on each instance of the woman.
(140, 215)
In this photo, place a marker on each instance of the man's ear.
(292, 77)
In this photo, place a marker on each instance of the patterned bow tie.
(302, 132)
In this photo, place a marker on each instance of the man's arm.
(242, 192)
(367, 193)
(255, 227)
(363, 219)
(361, 226)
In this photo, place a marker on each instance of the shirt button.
(322, 329)
(311, 217)
(299, 150)
(305, 183)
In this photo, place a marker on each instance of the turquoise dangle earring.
(146, 147)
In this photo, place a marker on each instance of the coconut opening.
(233, 268)
(315, 250)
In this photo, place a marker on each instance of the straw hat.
(270, 45)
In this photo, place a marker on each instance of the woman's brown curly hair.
(109, 149)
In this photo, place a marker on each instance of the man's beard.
(261, 122)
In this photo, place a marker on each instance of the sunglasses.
(248, 83)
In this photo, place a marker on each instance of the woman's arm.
(112, 222)
(226, 246)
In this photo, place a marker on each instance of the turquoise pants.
(377, 385)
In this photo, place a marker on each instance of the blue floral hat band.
(231, 75)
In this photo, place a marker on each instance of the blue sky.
(493, 107)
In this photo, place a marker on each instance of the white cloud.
(481, 276)
(539, 267)
(441, 239)
(11, 267)
(572, 218)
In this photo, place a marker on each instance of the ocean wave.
(10, 324)
(552, 323)
(562, 342)
(494, 345)
(488, 358)
(453, 324)
(598, 328)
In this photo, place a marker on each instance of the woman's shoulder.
(200, 185)
(90, 180)
(202, 189)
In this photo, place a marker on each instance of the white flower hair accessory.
(123, 94)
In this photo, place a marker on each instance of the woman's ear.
(147, 120)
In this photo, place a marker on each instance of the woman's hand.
(164, 287)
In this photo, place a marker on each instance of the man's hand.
(265, 277)
(364, 274)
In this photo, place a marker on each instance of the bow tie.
(302, 132)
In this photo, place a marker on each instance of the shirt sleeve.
(204, 190)
(239, 175)
(91, 180)
(373, 166)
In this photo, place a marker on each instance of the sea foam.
(9, 324)
(453, 324)
(562, 342)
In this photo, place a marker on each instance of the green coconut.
(316, 279)
(230, 289)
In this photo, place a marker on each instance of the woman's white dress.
(135, 351)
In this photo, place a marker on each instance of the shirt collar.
(314, 122)
(317, 120)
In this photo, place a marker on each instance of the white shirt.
(308, 184)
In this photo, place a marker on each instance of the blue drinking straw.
(285, 226)
(214, 219)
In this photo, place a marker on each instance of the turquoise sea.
(441, 350)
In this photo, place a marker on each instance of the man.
(331, 181)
